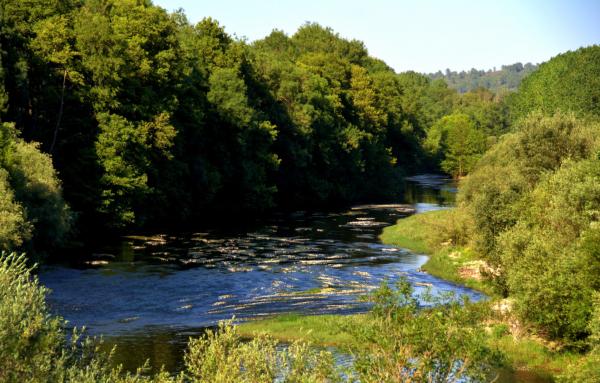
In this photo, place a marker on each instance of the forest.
(505, 79)
(116, 115)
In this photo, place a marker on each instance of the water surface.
(148, 294)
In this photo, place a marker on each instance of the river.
(149, 294)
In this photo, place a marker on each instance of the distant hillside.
(507, 78)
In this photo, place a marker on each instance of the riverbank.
(438, 234)
(528, 358)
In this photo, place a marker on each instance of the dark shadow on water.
(147, 294)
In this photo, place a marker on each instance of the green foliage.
(568, 82)
(39, 190)
(340, 125)
(33, 344)
(222, 357)
(407, 342)
(556, 240)
(533, 201)
(587, 369)
(151, 120)
(488, 110)
(30, 341)
(126, 154)
(31, 204)
(424, 101)
(14, 228)
(457, 141)
(507, 78)
(492, 194)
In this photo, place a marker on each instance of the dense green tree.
(551, 256)
(425, 101)
(32, 203)
(488, 110)
(505, 79)
(457, 141)
(152, 120)
(567, 82)
(143, 106)
(340, 122)
(512, 168)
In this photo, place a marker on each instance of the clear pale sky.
(425, 35)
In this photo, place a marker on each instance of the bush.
(38, 189)
(33, 344)
(222, 357)
(31, 201)
(457, 142)
(493, 194)
(407, 342)
(14, 228)
(552, 256)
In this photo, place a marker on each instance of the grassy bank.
(438, 234)
(527, 359)
(323, 330)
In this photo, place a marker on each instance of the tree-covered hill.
(151, 120)
(505, 79)
(136, 118)
(568, 82)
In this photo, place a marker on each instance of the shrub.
(38, 189)
(552, 256)
(31, 202)
(222, 357)
(494, 193)
(33, 344)
(408, 342)
(14, 228)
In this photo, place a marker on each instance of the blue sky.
(425, 35)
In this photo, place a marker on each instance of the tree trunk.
(60, 111)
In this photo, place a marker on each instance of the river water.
(149, 294)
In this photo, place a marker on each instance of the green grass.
(446, 264)
(323, 330)
(528, 357)
(409, 233)
(525, 354)
(425, 233)
(430, 233)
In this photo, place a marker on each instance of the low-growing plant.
(222, 356)
(34, 346)
(407, 341)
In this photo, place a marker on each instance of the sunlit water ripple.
(154, 292)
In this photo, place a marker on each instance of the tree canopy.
(151, 120)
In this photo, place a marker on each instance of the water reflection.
(148, 294)
(430, 190)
